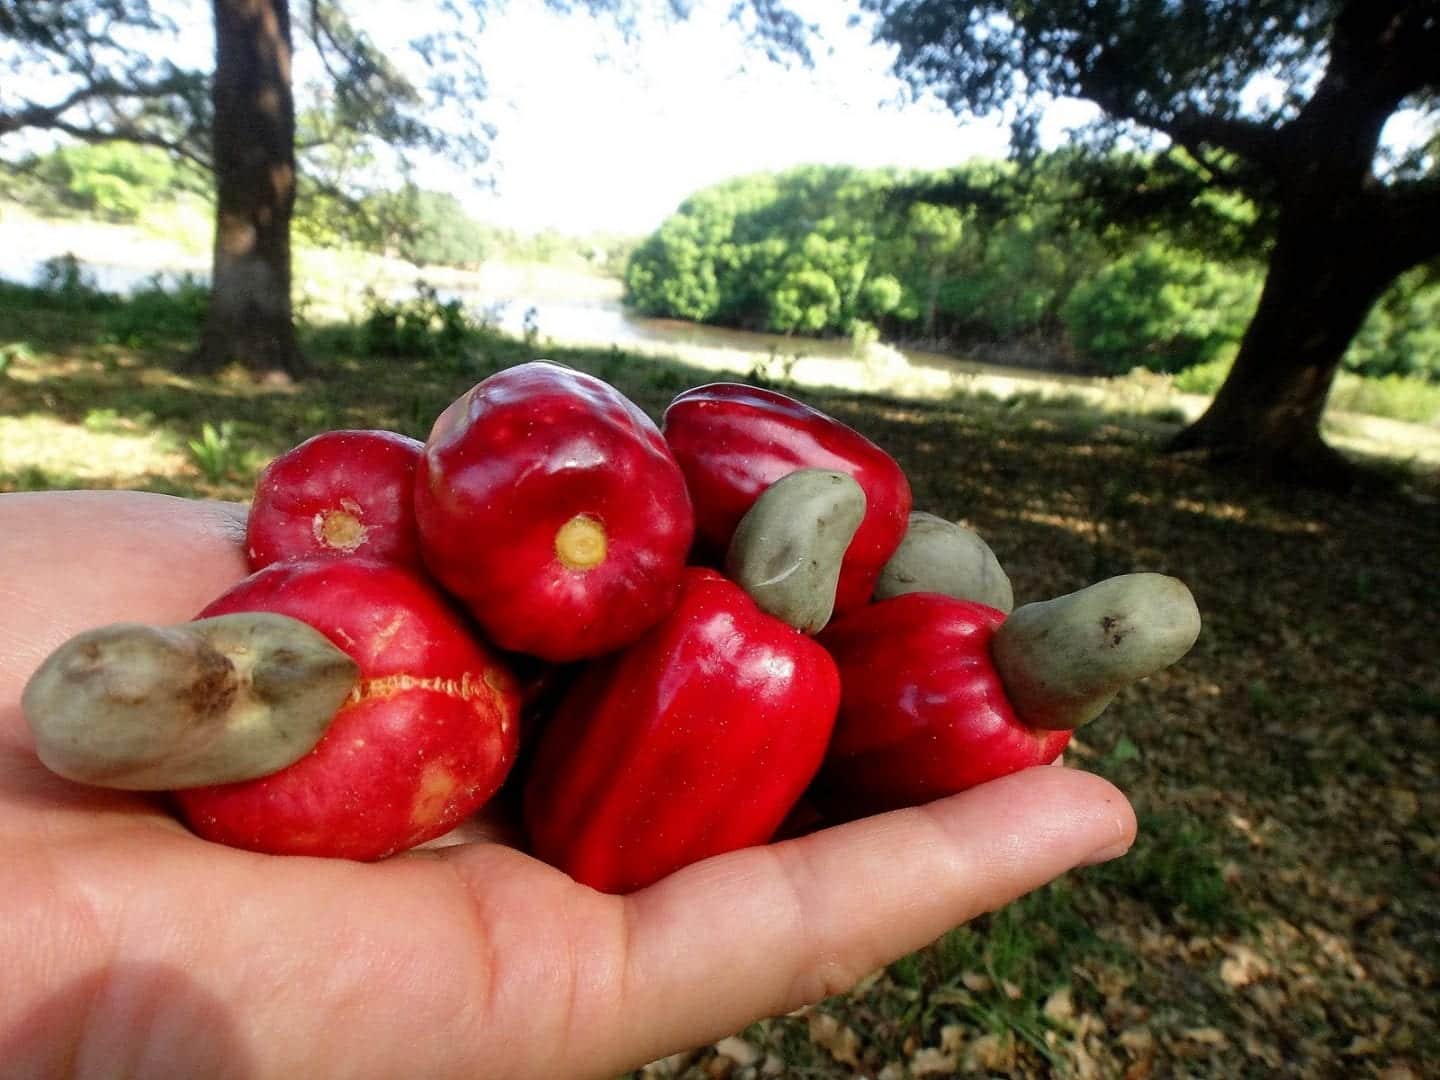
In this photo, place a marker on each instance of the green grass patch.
(1175, 869)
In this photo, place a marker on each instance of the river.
(573, 308)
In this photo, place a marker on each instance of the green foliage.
(113, 181)
(1400, 397)
(427, 228)
(805, 300)
(1156, 62)
(813, 249)
(1206, 378)
(1175, 867)
(1159, 308)
(431, 228)
(422, 327)
(439, 231)
(13, 351)
(216, 452)
(160, 314)
(64, 283)
(107, 69)
(1401, 336)
(982, 252)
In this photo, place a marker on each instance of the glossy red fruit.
(550, 504)
(424, 741)
(733, 441)
(343, 493)
(696, 740)
(923, 712)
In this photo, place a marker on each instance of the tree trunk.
(1326, 271)
(249, 321)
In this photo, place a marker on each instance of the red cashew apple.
(733, 441)
(426, 737)
(550, 504)
(923, 713)
(697, 739)
(942, 694)
(337, 494)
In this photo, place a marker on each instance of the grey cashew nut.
(208, 702)
(939, 556)
(787, 550)
(1063, 661)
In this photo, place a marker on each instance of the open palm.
(132, 948)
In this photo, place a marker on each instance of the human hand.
(130, 947)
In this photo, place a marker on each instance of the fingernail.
(1106, 853)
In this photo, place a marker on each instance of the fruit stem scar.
(342, 529)
(580, 543)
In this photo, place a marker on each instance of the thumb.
(763, 931)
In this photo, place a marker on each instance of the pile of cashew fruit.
(681, 633)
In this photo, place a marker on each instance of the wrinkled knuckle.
(824, 979)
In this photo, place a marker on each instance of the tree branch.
(1255, 142)
(131, 134)
(51, 117)
(44, 115)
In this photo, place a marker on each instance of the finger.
(763, 931)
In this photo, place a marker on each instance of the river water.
(591, 314)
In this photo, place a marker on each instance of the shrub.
(1401, 335)
(116, 181)
(807, 302)
(1159, 308)
(423, 326)
(64, 283)
(158, 313)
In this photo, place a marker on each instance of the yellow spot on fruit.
(437, 786)
(580, 543)
(341, 530)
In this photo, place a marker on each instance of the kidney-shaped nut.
(941, 557)
(788, 548)
(212, 701)
(1062, 661)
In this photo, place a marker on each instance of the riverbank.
(569, 305)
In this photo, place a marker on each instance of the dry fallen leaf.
(839, 1041)
(932, 1061)
(1060, 1005)
(1209, 1036)
(1243, 966)
(990, 1052)
(744, 1054)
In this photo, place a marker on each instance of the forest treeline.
(985, 253)
(990, 252)
(124, 183)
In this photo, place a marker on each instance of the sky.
(595, 133)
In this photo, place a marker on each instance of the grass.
(1394, 397)
(1277, 915)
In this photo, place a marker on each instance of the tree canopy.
(1286, 100)
(990, 257)
(100, 70)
